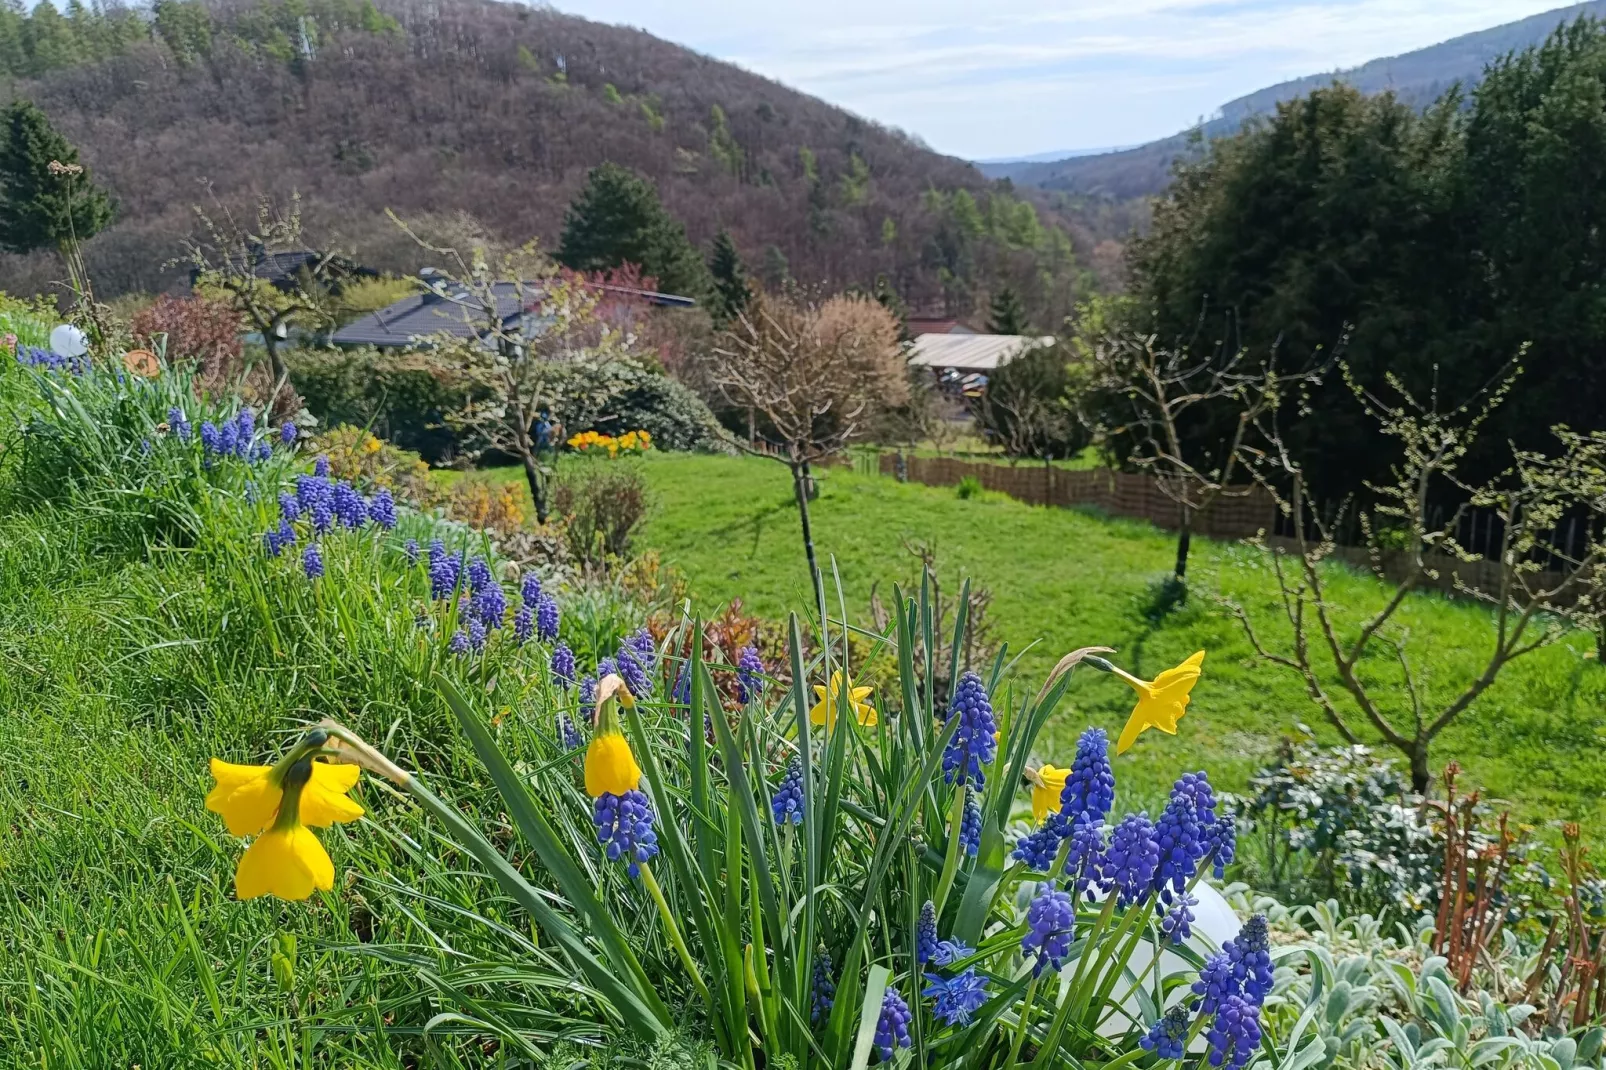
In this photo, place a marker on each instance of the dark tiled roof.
(431, 314)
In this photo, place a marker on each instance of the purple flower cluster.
(1051, 926)
(569, 734)
(179, 423)
(926, 934)
(458, 643)
(476, 634)
(749, 675)
(51, 361)
(563, 667)
(279, 539)
(530, 589)
(892, 1027)
(382, 511)
(445, 571)
(235, 438)
(588, 691)
(1234, 1033)
(1167, 1037)
(287, 434)
(951, 951)
(973, 744)
(479, 575)
(312, 561)
(624, 828)
(489, 605)
(787, 803)
(1241, 969)
(546, 619)
(1037, 848)
(1131, 859)
(635, 660)
(822, 990)
(1084, 862)
(970, 826)
(410, 552)
(1178, 921)
(956, 999)
(1090, 786)
(1181, 833)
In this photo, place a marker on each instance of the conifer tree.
(47, 198)
(1008, 315)
(617, 219)
(732, 293)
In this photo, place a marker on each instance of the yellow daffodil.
(248, 796)
(1161, 703)
(611, 768)
(824, 711)
(287, 860)
(1046, 789)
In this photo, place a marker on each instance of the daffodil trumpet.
(287, 860)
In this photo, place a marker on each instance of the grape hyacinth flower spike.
(1131, 859)
(822, 990)
(1090, 785)
(1168, 1036)
(974, 742)
(749, 673)
(320, 466)
(970, 825)
(892, 1027)
(786, 805)
(563, 667)
(530, 590)
(546, 619)
(382, 509)
(926, 934)
(312, 561)
(1181, 831)
(410, 552)
(479, 575)
(1051, 926)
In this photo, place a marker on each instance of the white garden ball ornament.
(68, 341)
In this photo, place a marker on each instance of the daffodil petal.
(321, 807)
(341, 778)
(249, 808)
(287, 863)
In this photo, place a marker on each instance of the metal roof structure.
(417, 319)
(972, 352)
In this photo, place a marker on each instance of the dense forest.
(477, 119)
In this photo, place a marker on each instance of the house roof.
(972, 352)
(919, 325)
(432, 314)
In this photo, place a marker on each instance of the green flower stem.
(1026, 1005)
(1071, 1001)
(950, 864)
(673, 932)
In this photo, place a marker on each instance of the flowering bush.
(593, 444)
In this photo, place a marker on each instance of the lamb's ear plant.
(825, 875)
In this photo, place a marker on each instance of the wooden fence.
(1243, 513)
(1246, 512)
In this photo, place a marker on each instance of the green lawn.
(1071, 578)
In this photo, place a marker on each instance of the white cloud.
(1023, 76)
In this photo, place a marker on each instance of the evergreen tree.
(888, 298)
(41, 206)
(731, 292)
(617, 219)
(1008, 315)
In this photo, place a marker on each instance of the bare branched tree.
(529, 322)
(816, 374)
(1150, 402)
(233, 261)
(1539, 582)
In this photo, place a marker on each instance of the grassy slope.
(1075, 579)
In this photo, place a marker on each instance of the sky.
(1000, 78)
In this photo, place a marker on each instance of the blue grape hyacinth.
(644, 649)
(1084, 862)
(892, 1027)
(546, 619)
(970, 826)
(749, 673)
(822, 990)
(320, 466)
(1234, 1033)
(787, 803)
(410, 552)
(1221, 844)
(479, 575)
(955, 1000)
(973, 744)
(624, 828)
(458, 643)
(489, 605)
(530, 589)
(523, 624)
(1090, 785)
(444, 572)
(568, 733)
(312, 561)
(563, 667)
(289, 507)
(1178, 921)
(1181, 832)
(1038, 847)
(1250, 955)
(476, 634)
(588, 691)
(382, 509)
(1131, 859)
(287, 434)
(926, 934)
(631, 670)
(1168, 1036)
(1051, 926)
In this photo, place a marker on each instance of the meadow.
(1065, 578)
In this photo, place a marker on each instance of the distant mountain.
(996, 162)
(479, 121)
(1418, 77)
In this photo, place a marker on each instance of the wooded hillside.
(473, 116)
